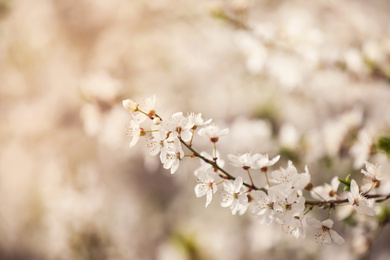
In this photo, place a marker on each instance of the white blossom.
(255, 161)
(177, 123)
(135, 131)
(158, 141)
(263, 161)
(147, 106)
(373, 171)
(295, 206)
(326, 191)
(359, 202)
(264, 206)
(290, 207)
(245, 160)
(289, 180)
(326, 234)
(194, 120)
(174, 153)
(213, 132)
(233, 196)
(294, 226)
(130, 105)
(206, 184)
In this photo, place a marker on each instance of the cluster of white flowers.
(281, 199)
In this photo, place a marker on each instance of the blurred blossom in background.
(305, 79)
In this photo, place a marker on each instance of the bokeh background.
(305, 79)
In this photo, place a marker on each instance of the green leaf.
(346, 182)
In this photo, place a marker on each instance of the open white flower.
(359, 202)
(326, 234)
(263, 161)
(194, 120)
(264, 206)
(289, 180)
(206, 184)
(294, 226)
(177, 123)
(373, 171)
(147, 106)
(158, 141)
(173, 154)
(135, 131)
(245, 160)
(326, 191)
(295, 206)
(213, 132)
(233, 196)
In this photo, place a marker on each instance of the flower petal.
(328, 223)
(313, 222)
(200, 190)
(367, 209)
(354, 189)
(336, 237)
(209, 196)
(238, 184)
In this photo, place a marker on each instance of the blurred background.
(309, 80)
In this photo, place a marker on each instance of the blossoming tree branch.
(280, 200)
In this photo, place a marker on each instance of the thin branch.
(320, 203)
(215, 165)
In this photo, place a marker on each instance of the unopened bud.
(156, 121)
(130, 105)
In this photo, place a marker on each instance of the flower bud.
(156, 121)
(130, 105)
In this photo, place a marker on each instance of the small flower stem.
(266, 177)
(250, 177)
(146, 114)
(329, 212)
(310, 209)
(192, 137)
(225, 174)
(220, 182)
(372, 186)
(151, 131)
